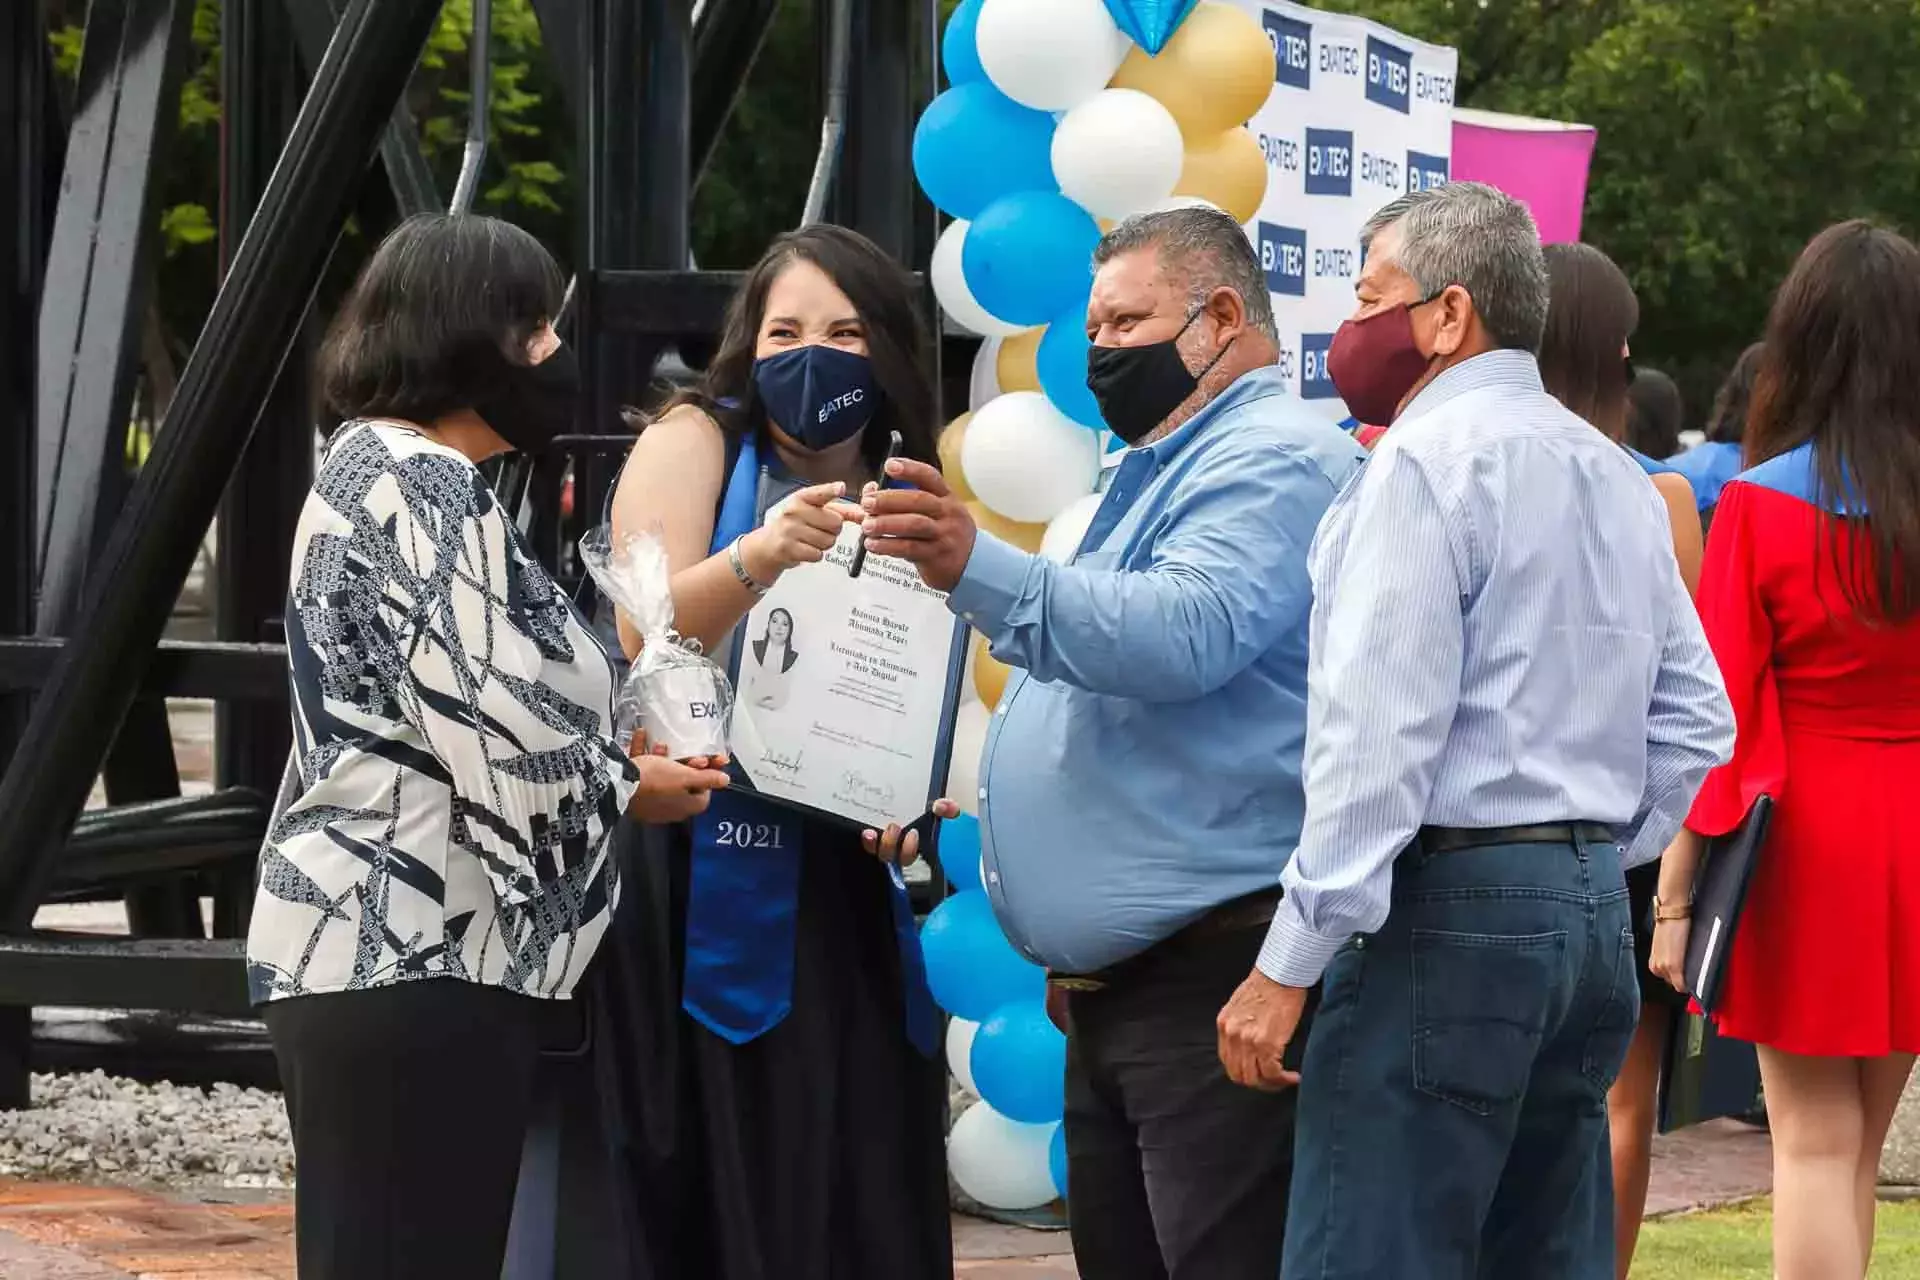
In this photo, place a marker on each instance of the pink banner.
(1542, 163)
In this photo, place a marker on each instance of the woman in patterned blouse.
(442, 878)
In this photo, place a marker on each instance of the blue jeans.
(1453, 1118)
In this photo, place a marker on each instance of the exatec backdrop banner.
(1359, 114)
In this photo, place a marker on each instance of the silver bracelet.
(739, 567)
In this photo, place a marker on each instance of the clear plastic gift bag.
(677, 696)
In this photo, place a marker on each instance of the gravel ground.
(99, 1128)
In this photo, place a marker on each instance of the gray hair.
(1205, 247)
(1483, 240)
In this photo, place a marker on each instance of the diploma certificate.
(847, 689)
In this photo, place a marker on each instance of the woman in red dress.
(1811, 597)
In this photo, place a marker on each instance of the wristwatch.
(1663, 913)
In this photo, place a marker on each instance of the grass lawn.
(1733, 1243)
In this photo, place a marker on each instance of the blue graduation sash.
(1652, 466)
(1793, 473)
(743, 893)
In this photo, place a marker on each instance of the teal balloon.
(1029, 256)
(971, 967)
(1057, 1160)
(959, 852)
(1150, 23)
(959, 52)
(974, 145)
(1063, 368)
(1020, 1063)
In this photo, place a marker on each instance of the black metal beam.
(726, 43)
(202, 976)
(872, 193)
(97, 273)
(175, 669)
(233, 366)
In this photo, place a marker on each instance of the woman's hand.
(893, 845)
(799, 530)
(672, 790)
(1669, 959)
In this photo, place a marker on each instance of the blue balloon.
(1150, 23)
(1063, 368)
(1029, 256)
(974, 144)
(1057, 1160)
(959, 53)
(971, 967)
(959, 852)
(1020, 1063)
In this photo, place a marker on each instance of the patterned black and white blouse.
(451, 713)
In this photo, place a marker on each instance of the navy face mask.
(818, 395)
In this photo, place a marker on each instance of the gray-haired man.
(1511, 696)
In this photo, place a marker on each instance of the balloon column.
(1062, 116)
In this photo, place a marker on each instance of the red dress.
(1827, 959)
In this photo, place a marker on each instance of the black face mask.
(536, 402)
(1137, 387)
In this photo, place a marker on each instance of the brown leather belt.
(1454, 839)
(1251, 912)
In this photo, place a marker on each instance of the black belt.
(1453, 839)
(1250, 912)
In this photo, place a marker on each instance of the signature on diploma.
(782, 763)
(855, 789)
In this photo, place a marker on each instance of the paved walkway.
(54, 1231)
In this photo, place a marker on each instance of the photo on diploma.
(847, 690)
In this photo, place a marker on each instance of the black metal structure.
(94, 552)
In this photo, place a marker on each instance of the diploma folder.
(1719, 896)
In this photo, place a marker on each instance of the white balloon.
(1118, 153)
(969, 742)
(1065, 530)
(1050, 55)
(1185, 202)
(960, 1035)
(1026, 460)
(950, 287)
(1000, 1162)
(985, 384)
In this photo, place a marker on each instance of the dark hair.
(779, 613)
(1727, 424)
(884, 297)
(445, 305)
(1204, 247)
(1842, 343)
(1591, 312)
(1654, 413)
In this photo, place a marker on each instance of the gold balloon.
(989, 674)
(1024, 536)
(1214, 74)
(1230, 170)
(1019, 364)
(948, 448)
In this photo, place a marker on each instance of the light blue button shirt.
(1500, 637)
(1144, 765)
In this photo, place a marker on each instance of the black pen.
(894, 445)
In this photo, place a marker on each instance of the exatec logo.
(1335, 264)
(1315, 382)
(1389, 75)
(1337, 58)
(1432, 86)
(835, 405)
(1286, 361)
(1283, 256)
(1424, 171)
(1329, 162)
(1381, 171)
(1283, 154)
(1292, 42)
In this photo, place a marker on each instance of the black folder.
(1719, 896)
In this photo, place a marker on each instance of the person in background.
(1140, 787)
(770, 1051)
(1708, 466)
(1811, 597)
(1654, 415)
(1583, 365)
(1510, 696)
(433, 894)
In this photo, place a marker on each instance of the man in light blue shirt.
(1511, 696)
(1140, 789)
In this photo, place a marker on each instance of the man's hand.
(1255, 1029)
(892, 845)
(925, 525)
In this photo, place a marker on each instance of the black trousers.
(409, 1107)
(1174, 1172)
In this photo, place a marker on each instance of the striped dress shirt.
(1499, 637)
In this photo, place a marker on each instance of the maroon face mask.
(1374, 363)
